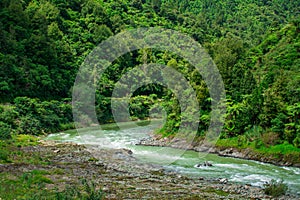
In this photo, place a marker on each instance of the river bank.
(114, 172)
(226, 151)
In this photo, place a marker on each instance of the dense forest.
(254, 44)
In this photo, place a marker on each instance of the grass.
(284, 148)
(216, 191)
(284, 151)
(11, 150)
(229, 142)
(33, 185)
(14, 186)
(25, 140)
(275, 188)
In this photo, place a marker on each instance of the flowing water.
(235, 170)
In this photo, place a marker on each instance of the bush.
(278, 123)
(270, 138)
(139, 107)
(25, 105)
(66, 114)
(35, 117)
(8, 114)
(4, 155)
(290, 132)
(25, 140)
(258, 144)
(5, 131)
(242, 140)
(254, 133)
(29, 125)
(296, 141)
(275, 188)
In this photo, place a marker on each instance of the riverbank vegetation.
(255, 46)
(275, 188)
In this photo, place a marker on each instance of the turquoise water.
(235, 170)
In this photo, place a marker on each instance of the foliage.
(275, 188)
(4, 155)
(31, 185)
(296, 141)
(85, 191)
(5, 131)
(34, 117)
(270, 138)
(9, 149)
(25, 140)
(255, 46)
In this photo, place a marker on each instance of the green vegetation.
(31, 185)
(10, 151)
(275, 188)
(24, 186)
(219, 192)
(37, 183)
(34, 117)
(255, 46)
(284, 152)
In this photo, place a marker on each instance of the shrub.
(242, 140)
(25, 105)
(36, 117)
(29, 125)
(270, 138)
(139, 106)
(4, 155)
(296, 141)
(258, 144)
(5, 131)
(254, 133)
(278, 123)
(22, 140)
(8, 114)
(66, 114)
(275, 188)
(290, 132)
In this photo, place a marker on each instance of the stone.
(223, 180)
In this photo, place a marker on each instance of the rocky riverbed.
(120, 176)
(157, 140)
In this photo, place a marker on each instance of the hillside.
(255, 46)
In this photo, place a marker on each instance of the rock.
(124, 152)
(198, 165)
(100, 164)
(223, 180)
(205, 164)
(56, 151)
(128, 151)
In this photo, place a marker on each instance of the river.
(235, 170)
